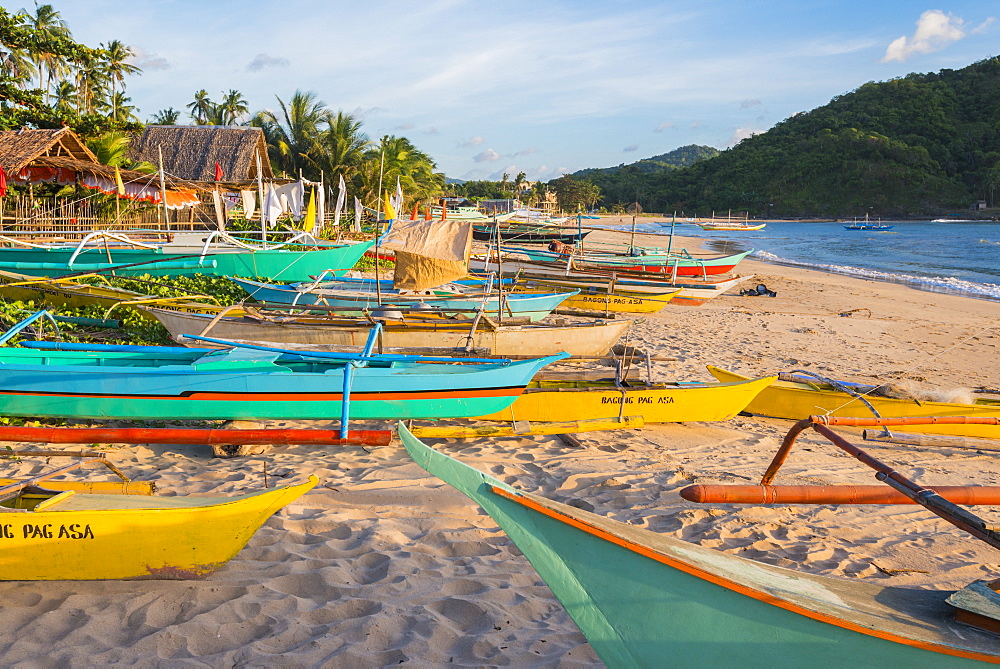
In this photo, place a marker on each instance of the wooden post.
(260, 193)
(163, 189)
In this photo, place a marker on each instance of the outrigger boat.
(68, 380)
(567, 400)
(664, 264)
(795, 396)
(534, 306)
(527, 233)
(185, 254)
(401, 331)
(643, 598)
(729, 226)
(52, 534)
(693, 292)
(611, 299)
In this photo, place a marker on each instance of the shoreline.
(725, 246)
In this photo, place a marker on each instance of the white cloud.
(471, 142)
(524, 152)
(746, 104)
(663, 126)
(405, 126)
(487, 156)
(742, 133)
(262, 61)
(147, 61)
(935, 30)
(630, 148)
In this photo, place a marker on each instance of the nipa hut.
(32, 157)
(192, 152)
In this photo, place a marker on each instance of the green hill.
(685, 156)
(920, 144)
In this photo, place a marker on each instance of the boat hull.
(692, 292)
(274, 264)
(598, 298)
(61, 384)
(659, 264)
(528, 234)
(532, 306)
(93, 537)
(537, 339)
(666, 403)
(795, 401)
(640, 597)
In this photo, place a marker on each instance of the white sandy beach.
(382, 564)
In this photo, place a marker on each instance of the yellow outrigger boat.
(609, 298)
(797, 400)
(655, 402)
(69, 535)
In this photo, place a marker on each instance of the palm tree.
(233, 106)
(91, 83)
(341, 147)
(200, 107)
(48, 25)
(214, 115)
(168, 116)
(292, 136)
(65, 96)
(397, 157)
(116, 61)
(15, 63)
(121, 107)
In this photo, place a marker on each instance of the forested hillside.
(921, 144)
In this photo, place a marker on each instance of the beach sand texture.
(382, 564)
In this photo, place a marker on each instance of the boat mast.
(163, 189)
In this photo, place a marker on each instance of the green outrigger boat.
(185, 254)
(647, 600)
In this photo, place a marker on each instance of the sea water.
(959, 258)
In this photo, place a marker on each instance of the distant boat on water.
(868, 225)
(730, 224)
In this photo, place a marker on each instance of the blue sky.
(543, 87)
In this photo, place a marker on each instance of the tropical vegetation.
(48, 80)
(922, 144)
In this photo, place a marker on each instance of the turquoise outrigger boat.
(643, 599)
(66, 380)
(674, 264)
(188, 254)
(534, 306)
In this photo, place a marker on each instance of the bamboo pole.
(568, 427)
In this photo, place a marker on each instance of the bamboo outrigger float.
(50, 534)
(643, 599)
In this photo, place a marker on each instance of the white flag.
(357, 215)
(397, 200)
(272, 206)
(320, 210)
(341, 197)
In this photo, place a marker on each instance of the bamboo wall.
(26, 214)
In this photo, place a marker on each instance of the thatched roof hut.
(30, 156)
(18, 148)
(190, 152)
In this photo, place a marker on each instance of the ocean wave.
(937, 284)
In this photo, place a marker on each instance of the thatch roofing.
(108, 172)
(20, 147)
(190, 152)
